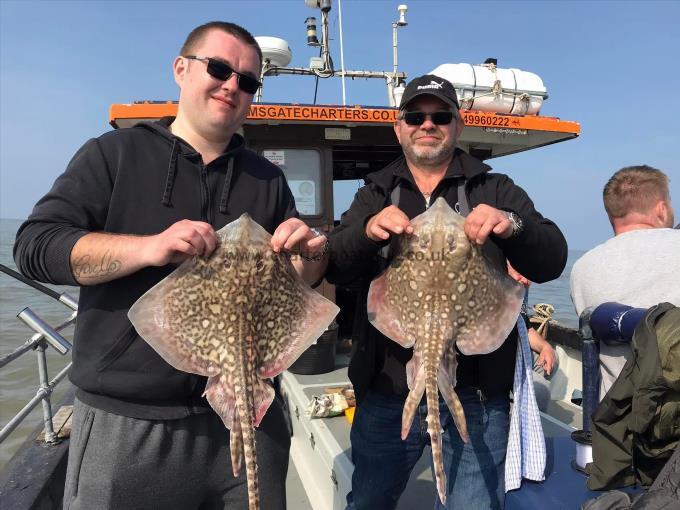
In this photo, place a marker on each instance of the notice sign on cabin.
(304, 193)
(276, 157)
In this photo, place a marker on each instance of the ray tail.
(434, 427)
(434, 345)
(243, 389)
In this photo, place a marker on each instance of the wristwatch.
(516, 222)
(319, 254)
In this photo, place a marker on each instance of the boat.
(318, 147)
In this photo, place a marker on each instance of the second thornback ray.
(239, 317)
(439, 292)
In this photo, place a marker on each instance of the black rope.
(29, 282)
(316, 88)
(316, 83)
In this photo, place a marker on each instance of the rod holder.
(58, 342)
(69, 301)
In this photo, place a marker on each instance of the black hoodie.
(139, 181)
(539, 252)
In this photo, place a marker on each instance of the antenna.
(395, 86)
(322, 67)
(342, 54)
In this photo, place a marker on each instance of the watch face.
(517, 223)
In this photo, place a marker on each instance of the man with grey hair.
(505, 223)
(640, 265)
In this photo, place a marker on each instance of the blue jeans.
(383, 462)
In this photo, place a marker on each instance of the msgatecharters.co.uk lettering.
(427, 256)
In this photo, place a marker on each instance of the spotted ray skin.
(239, 317)
(440, 292)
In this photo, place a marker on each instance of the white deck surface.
(320, 469)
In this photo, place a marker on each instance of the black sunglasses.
(221, 71)
(439, 118)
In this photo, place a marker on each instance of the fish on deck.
(239, 317)
(439, 292)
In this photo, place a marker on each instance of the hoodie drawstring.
(172, 172)
(227, 186)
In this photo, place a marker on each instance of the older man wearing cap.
(504, 222)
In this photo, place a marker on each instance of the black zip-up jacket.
(139, 181)
(539, 252)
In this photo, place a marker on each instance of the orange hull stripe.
(345, 114)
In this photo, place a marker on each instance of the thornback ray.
(239, 317)
(440, 293)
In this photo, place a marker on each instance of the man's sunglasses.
(221, 71)
(439, 118)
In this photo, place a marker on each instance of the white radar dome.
(275, 50)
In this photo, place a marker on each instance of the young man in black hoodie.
(504, 222)
(131, 205)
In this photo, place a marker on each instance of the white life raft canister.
(489, 88)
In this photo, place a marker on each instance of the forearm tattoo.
(86, 267)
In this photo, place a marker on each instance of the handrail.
(44, 335)
(42, 395)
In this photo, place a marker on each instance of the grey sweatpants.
(122, 463)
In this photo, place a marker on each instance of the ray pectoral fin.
(488, 334)
(279, 349)
(149, 316)
(384, 317)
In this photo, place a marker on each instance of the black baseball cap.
(431, 85)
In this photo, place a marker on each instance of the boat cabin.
(318, 145)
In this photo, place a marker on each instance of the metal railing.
(45, 336)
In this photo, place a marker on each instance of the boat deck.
(320, 471)
(320, 451)
(296, 497)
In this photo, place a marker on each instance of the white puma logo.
(433, 85)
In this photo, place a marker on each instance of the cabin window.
(302, 168)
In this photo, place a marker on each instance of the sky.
(611, 66)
